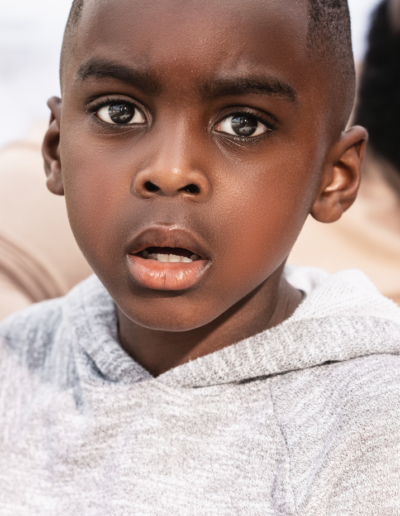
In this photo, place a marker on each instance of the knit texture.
(300, 420)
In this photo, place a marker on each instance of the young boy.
(192, 376)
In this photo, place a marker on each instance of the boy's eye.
(242, 125)
(121, 114)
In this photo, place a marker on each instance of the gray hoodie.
(302, 419)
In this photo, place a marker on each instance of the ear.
(51, 149)
(342, 176)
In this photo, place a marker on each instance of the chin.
(171, 318)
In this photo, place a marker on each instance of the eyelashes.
(121, 113)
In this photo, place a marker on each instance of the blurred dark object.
(378, 107)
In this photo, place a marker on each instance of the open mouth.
(169, 255)
(167, 258)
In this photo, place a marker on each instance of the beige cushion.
(39, 258)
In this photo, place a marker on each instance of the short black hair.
(75, 12)
(378, 106)
(74, 17)
(329, 32)
(329, 35)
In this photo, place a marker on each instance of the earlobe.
(342, 176)
(51, 149)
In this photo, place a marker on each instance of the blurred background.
(39, 258)
(30, 42)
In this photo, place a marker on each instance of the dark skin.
(190, 68)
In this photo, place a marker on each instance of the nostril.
(151, 187)
(191, 189)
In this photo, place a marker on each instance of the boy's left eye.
(242, 125)
(121, 113)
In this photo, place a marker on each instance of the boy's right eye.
(120, 113)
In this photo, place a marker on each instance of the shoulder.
(351, 389)
(334, 401)
(341, 431)
(29, 333)
(367, 387)
(26, 324)
(32, 334)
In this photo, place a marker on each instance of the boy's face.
(198, 126)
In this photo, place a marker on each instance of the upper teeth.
(171, 258)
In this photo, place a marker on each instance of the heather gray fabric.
(301, 420)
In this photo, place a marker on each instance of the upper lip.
(167, 236)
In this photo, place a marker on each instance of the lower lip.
(166, 276)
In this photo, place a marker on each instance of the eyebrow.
(147, 82)
(104, 69)
(269, 85)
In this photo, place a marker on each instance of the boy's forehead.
(204, 36)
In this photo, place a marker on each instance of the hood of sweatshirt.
(342, 317)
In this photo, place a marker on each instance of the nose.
(171, 177)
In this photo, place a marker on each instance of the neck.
(158, 351)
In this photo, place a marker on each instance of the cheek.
(261, 221)
(96, 189)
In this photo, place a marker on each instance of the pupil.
(244, 125)
(121, 113)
